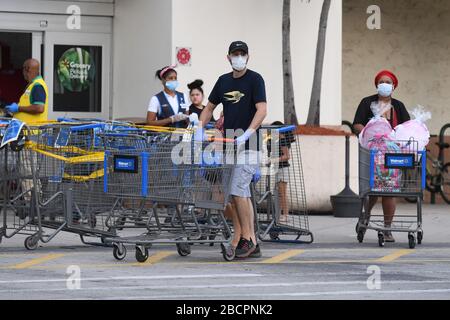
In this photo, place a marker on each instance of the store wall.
(208, 27)
(142, 44)
(414, 41)
(47, 20)
(87, 7)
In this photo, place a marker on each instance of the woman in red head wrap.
(395, 112)
(384, 76)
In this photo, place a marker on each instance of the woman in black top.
(196, 95)
(395, 112)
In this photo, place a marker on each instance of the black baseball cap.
(238, 45)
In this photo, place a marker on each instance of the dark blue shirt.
(239, 98)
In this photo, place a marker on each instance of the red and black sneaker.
(245, 248)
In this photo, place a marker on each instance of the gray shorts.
(243, 174)
(283, 175)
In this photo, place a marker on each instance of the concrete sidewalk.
(327, 230)
(436, 225)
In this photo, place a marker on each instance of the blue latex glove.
(257, 176)
(242, 139)
(200, 135)
(12, 108)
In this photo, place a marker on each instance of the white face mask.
(239, 63)
(385, 89)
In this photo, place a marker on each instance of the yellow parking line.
(36, 261)
(154, 258)
(395, 255)
(284, 256)
(199, 263)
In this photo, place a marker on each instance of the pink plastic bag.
(415, 129)
(376, 128)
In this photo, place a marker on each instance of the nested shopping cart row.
(52, 182)
(184, 183)
(120, 184)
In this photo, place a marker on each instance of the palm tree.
(290, 114)
(314, 106)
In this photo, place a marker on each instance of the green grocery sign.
(76, 70)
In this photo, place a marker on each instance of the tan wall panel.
(414, 41)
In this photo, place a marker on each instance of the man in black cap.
(243, 96)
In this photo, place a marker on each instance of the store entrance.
(15, 48)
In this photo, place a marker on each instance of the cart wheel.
(184, 249)
(419, 237)
(358, 226)
(361, 234)
(228, 252)
(141, 254)
(275, 236)
(119, 251)
(31, 243)
(412, 241)
(361, 224)
(381, 241)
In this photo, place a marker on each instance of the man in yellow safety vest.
(33, 104)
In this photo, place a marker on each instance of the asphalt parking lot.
(335, 266)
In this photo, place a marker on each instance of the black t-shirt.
(239, 98)
(364, 113)
(194, 109)
(285, 141)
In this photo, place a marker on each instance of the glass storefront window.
(77, 78)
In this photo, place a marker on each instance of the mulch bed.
(319, 131)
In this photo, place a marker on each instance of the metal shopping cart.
(395, 169)
(69, 182)
(279, 198)
(17, 181)
(186, 183)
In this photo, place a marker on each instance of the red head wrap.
(386, 73)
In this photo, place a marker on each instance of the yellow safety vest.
(25, 101)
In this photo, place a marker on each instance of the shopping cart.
(17, 182)
(69, 183)
(186, 184)
(279, 198)
(396, 169)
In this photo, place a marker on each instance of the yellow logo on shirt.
(234, 96)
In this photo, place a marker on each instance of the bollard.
(346, 204)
